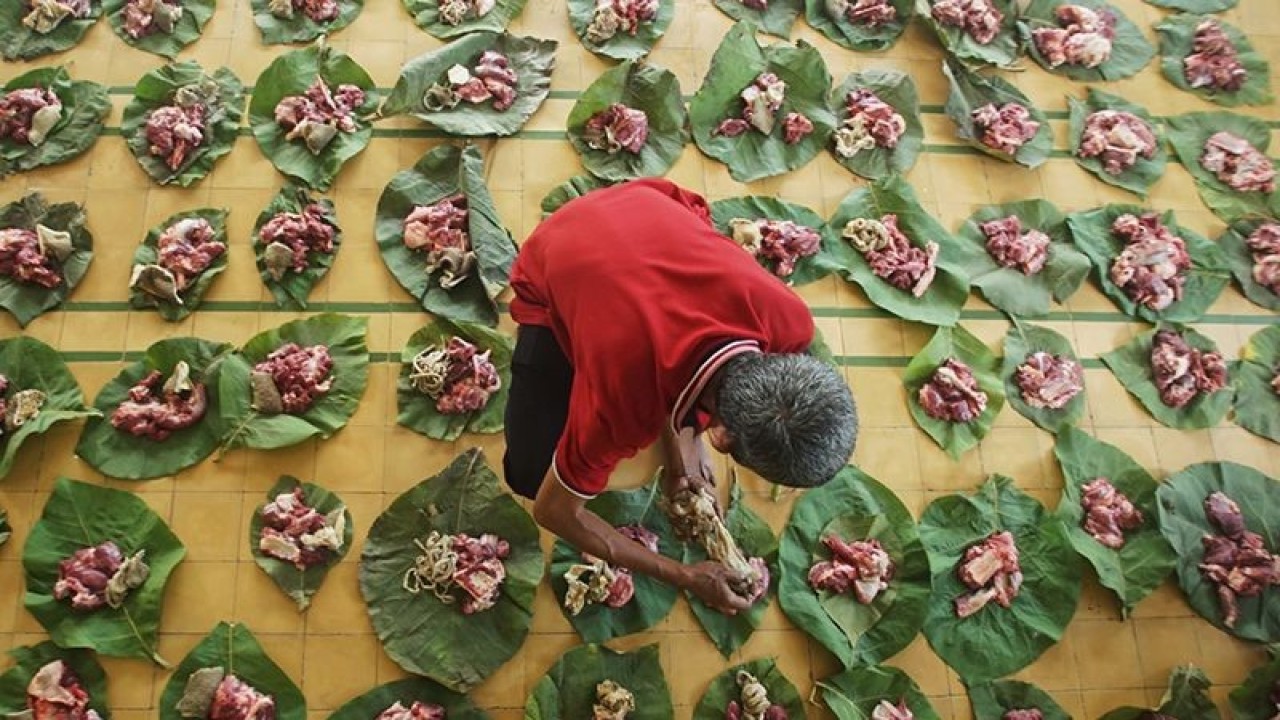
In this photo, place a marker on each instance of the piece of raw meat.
(619, 16)
(1238, 164)
(1237, 560)
(456, 375)
(617, 128)
(952, 393)
(156, 408)
(55, 692)
(298, 375)
(1182, 373)
(27, 115)
(1152, 268)
(1264, 246)
(867, 13)
(1108, 513)
(869, 123)
(319, 114)
(1012, 247)
(295, 532)
(1214, 61)
(862, 566)
(890, 254)
(761, 101)
(1118, 138)
(991, 571)
(1083, 37)
(1005, 128)
(441, 230)
(979, 19)
(779, 243)
(1048, 381)
(289, 239)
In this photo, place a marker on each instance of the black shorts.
(537, 407)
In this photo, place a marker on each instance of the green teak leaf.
(1240, 260)
(85, 106)
(724, 689)
(971, 91)
(642, 87)
(79, 515)
(1177, 34)
(776, 19)
(300, 28)
(195, 14)
(1252, 699)
(1138, 178)
(18, 42)
(574, 187)
(858, 36)
(293, 288)
(898, 90)
(1130, 50)
(426, 15)
(148, 254)
(1131, 364)
(622, 46)
(956, 438)
(406, 692)
(30, 364)
(1188, 133)
(991, 700)
(418, 412)
(1020, 342)
(1257, 402)
(1188, 695)
(28, 660)
(854, 693)
(233, 648)
(299, 585)
(830, 255)
(1003, 50)
(568, 690)
(27, 301)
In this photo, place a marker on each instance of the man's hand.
(712, 582)
(688, 464)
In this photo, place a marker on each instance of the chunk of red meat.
(796, 127)
(1238, 164)
(148, 17)
(1237, 562)
(289, 531)
(732, 127)
(779, 243)
(83, 577)
(1214, 61)
(1152, 268)
(1182, 373)
(1118, 138)
(885, 710)
(153, 412)
(617, 127)
(187, 248)
(304, 233)
(862, 566)
(1264, 246)
(470, 380)
(235, 699)
(174, 131)
(756, 4)
(1083, 37)
(979, 19)
(1224, 513)
(319, 105)
(952, 393)
(1009, 246)
(55, 692)
(479, 571)
(896, 261)
(301, 374)
(18, 109)
(1005, 128)
(1108, 513)
(499, 78)
(22, 259)
(441, 230)
(1027, 714)
(417, 711)
(873, 117)
(990, 569)
(761, 101)
(1048, 381)
(614, 16)
(868, 13)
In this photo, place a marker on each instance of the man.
(638, 321)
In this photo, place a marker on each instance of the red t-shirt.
(647, 300)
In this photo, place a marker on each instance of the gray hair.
(791, 418)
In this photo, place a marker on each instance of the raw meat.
(868, 13)
(952, 393)
(455, 12)
(979, 19)
(1236, 162)
(1213, 62)
(1011, 247)
(862, 566)
(28, 114)
(18, 407)
(755, 4)
(156, 408)
(761, 101)
(147, 17)
(891, 255)
(43, 16)
(56, 693)
(492, 79)
(441, 230)
(1237, 560)
(417, 711)
(298, 375)
(473, 564)
(779, 243)
(796, 127)
(1048, 381)
(1108, 513)
(1181, 372)
(288, 238)
(1264, 246)
(991, 571)
(1119, 138)
(297, 533)
(101, 575)
(869, 123)
(885, 710)
(173, 131)
(184, 251)
(1152, 267)
(456, 375)
(617, 127)
(619, 16)
(694, 515)
(1083, 37)
(319, 114)
(753, 702)
(605, 584)
(1029, 714)
(237, 700)
(613, 702)
(318, 11)
(1005, 128)
(34, 256)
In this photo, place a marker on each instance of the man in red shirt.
(638, 321)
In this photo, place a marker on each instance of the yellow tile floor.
(331, 651)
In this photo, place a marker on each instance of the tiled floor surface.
(331, 651)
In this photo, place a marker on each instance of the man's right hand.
(712, 582)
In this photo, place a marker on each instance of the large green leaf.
(1008, 288)
(299, 585)
(1146, 558)
(1207, 277)
(1131, 364)
(407, 692)
(568, 690)
(991, 700)
(531, 58)
(1257, 402)
(856, 36)
(854, 633)
(291, 74)
(1183, 522)
(29, 364)
(1188, 133)
(1187, 697)
(622, 46)
(192, 295)
(18, 42)
(27, 301)
(755, 539)
(233, 648)
(1130, 49)
(118, 454)
(28, 660)
(642, 87)
(85, 106)
(195, 14)
(898, 90)
(1002, 50)
(1177, 33)
(725, 689)
(955, 437)
(426, 15)
(344, 336)
(1138, 178)
(574, 187)
(737, 62)
(776, 18)
(421, 634)
(970, 91)
(941, 303)
(997, 641)
(1240, 260)
(418, 412)
(447, 170)
(79, 515)
(653, 599)
(222, 117)
(300, 28)
(293, 288)
(831, 253)
(1019, 342)
(1195, 5)
(855, 693)
(1252, 699)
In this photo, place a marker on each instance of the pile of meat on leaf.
(17, 406)
(55, 692)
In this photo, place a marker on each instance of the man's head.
(790, 418)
